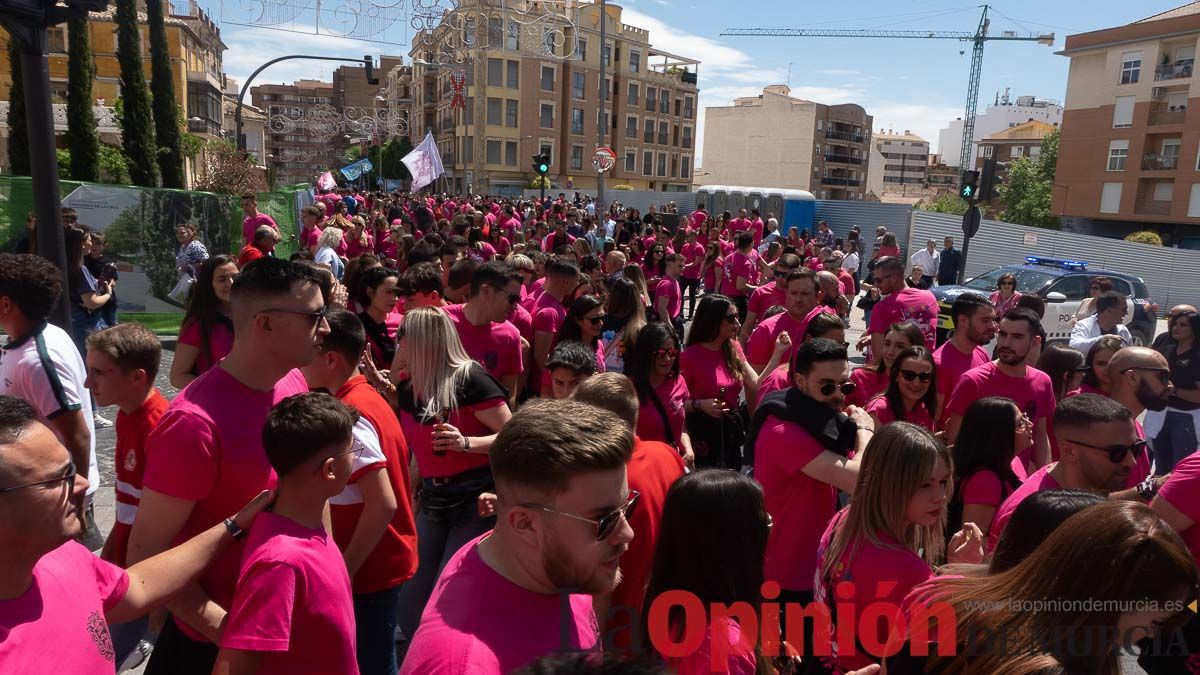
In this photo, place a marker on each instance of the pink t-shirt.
(1033, 394)
(776, 380)
(668, 288)
(762, 341)
(533, 293)
(1040, 480)
(907, 304)
(757, 226)
(870, 384)
(672, 393)
(548, 314)
(712, 274)
(355, 247)
(847, 282)
(693, 256)
(468, 625)
(220, 341)
(249, 225)
(58, 624)
(706, 374)
(764, 297)
(740, 660)
(736, 265)
(919, 415)
(310, 237)
(952, 363)
(1182, 490)
(293, 601)
(698, 219)
(496, 346)
(984, 487)
(523, 320)
(799, 505)
(207, 448)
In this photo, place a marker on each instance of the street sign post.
(970, 224)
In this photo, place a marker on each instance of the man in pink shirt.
(699, 218)
(252, 219)
(483, 325)
(310, 233)
(738, 275)
(693, 259)
(802, 301)
(549, 312)
(57, 600)
(768, 295)
(1008, 376)
(1098, 445)
(560, 531)
(293, 611)
(668, 296)
(756, 227)
(901, 304)
(974, 327)
(206, 455)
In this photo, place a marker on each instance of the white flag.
(424, 163)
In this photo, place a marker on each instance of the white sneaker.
(100, 422)
(137, 657)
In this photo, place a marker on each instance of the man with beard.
(802, 302)
(524, 590)
(1008, 376)
(1098, 445)
(1140, 382)
(974, 326)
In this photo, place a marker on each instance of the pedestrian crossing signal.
(968, 187)
(541, 164)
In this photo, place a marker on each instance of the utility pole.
(601, 127)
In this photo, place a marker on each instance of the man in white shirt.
(1110, 310)
(927, 259)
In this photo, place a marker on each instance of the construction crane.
(977, 38)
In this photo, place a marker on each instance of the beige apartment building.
(898, 163)
(521, 100)
(1130, 147)
(775, 140)
(295, 150)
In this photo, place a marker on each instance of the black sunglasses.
(1163, 375)
(314, 318)
(69, 477)
(1116, 453)
(910, 375)
(513, 298)
(606, 524)
(595, 320)
(732, 318)
(847, 388)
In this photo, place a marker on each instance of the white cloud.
(249, 48)
(923, 120)
(716, 58)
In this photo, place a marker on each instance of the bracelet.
(466, 443)
(1147, 489)
(234, 529)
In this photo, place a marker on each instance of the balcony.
(1162, 114)
(1160, 162)
(843, 159)
(844, 136)
(201, 126)
(847, 182)
(1152, 207)
(1173, 71)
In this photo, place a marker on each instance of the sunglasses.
(1116, 453)
(314, 318)
(910, 375)
(68, 477)
(513, 298)
(666, 353)
(595, 320)
(1163, 375)
(606, 524)
(847, 388)
(732, 318)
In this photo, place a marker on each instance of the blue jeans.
(375, 622)
(84, 324)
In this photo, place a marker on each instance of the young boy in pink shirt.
(293, 612)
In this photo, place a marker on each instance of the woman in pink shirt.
(712, 266)
(654, 266)
(637, 252)
(872, 380)
(662, 392)
(886, 542)
(1096, 379)
(358, 240)
(478, 249)
(911, 395)
(722, 515)
(995, 428)
(584, 323)
(206, 335)
(1006, 296)
(1064, 365)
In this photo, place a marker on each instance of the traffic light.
(991, 180)
(541, 164)
(370, 65)
(968, 187)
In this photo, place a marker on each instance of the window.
(1131, 67)
(662, 164)
(493, 151)
(635, 61)
(651, 101)
(1035, 151)
(685, 167)
(678, 106)
(649, 137)
(687, 107)
(546, 116)
(510, 113)
(630, 126)
(674, 166)
(1075, 287)
(1110, 198)
(1118, 152)
(547, 78)
(510, 153)
(675, 135)
(581, 48)
(631, 162)
(1123, 111)
(576, 157)
(469, 148)
(608, 88)
(513, 41)
(495, 31)
(687, 139)
(1194, 202)
(1164, 192)
(58, 39)
(514, 75)
(494, 111)
(607, 55)
(577, 121)
(664, 101)
(1017, 151)
(495, 73)
(647, 163)
(663, 128)
(633, 93)
(578, 81)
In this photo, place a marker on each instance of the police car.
(1063, 285)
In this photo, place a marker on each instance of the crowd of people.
(490, 435)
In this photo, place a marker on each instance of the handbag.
(182, 289)
(718, 440)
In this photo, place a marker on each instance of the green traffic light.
(542, 168)
(966, 191)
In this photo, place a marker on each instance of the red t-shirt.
(1182, 490)
(129, 458)
(736, 265)
(757, 226)
(480, 392)
(548, 316)
(799, 505)
(847, 282)
(672, 393)
(394, 558)
(706, 374)
(496, 346)
(908, 304)
(1040, 480)
(220, 341)
(293, 602)
(207, 448)
(1033, 394)
(249, 254)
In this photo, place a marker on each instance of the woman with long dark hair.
(88, 295)
(1065, 367)
(872, 380)
(1096, 379)
(992, 431)
(206, 334)
(654, 368)
(711, 266)
(584, 323)
(911, 395)
(377, 293)
(655, 264)
(722, 514)
(624, 316)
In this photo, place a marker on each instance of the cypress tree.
(82, 137)
(166, 111)
(137, 122)
(18, 133)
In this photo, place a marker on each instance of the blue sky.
(919, 85)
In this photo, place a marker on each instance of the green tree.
(113, 167)
(18, 133)
(167, 119)
(137, 120)
(82, 137)
(946, 203)
(394, 151)
(224, 169)
(1029, 186)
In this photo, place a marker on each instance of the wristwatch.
(1147, 489)
(234, 529)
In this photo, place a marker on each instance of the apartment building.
(1128, 157)
(361, 102)
(1004, 113)
(526, 94)
(776, 140)
(298, 148)
(898, 163)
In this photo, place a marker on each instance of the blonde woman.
(358, 238)
(327, 245)
(450, 409)
(887, 541)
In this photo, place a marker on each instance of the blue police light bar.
(1057, 262)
